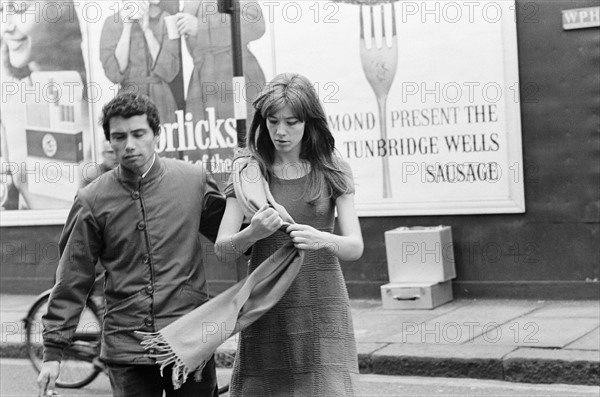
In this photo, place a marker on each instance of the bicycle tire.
(75, 371)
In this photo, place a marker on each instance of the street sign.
(581, 18)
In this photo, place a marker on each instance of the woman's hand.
(144, 11)
(265, 222)
(187, 24)
(306, 237)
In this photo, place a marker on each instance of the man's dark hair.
(129, 104)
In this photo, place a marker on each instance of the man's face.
(133, 141)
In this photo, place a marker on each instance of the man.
(141, 220)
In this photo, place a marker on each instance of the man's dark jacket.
(146, 233)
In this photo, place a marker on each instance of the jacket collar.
(133, 179)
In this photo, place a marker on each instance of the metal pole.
(238, 73)
(232, 7)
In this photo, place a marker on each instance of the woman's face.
(286, 132)
(26, 29)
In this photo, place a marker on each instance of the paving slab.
(568, 309)
(538, 332)
(369, 348)
(373, 323)
(13, 331)
(552, 366)
(13, 308)
(359, 305)
(463, 324)
(16, 303)
(590, 341)
(379, 325)
(457, 361)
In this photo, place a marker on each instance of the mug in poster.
(421, 99)
(47, 137)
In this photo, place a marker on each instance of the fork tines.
(383, 31)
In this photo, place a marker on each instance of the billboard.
(422, 97)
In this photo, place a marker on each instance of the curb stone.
(528, 365)
(456, 361)
(553, 366)
(365, 352)
(13, 350)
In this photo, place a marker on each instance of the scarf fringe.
(165, 356)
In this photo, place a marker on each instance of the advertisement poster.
(422, 97)
(47, 138)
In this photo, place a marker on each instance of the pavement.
(512, 340)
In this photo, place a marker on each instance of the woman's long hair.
(62, 49)
(326, 178)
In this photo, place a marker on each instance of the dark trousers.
(145, 381)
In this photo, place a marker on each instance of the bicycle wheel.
(77, 368)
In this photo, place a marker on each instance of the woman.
(32, 40)
(137, 54)
(305, 344)
(38, 38)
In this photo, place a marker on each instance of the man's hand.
(48, 375)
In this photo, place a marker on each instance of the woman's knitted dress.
(304, 346)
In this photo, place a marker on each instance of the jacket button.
(149, 289)
(135, 195)
(148, 321)
(141, 226)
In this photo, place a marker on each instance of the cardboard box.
(420, 254)
(415, 295)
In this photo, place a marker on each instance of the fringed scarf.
(190, 341)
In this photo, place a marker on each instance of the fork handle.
(385, 161)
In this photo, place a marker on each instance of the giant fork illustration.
(379, 65)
